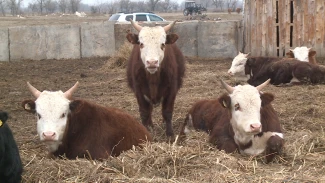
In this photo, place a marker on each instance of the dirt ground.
(301, 110)
(29, 20)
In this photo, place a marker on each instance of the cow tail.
(187, 126)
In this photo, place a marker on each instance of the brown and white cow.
(78, 128)
(155, 71)
(284, 71)
(243, 119)
(303, 54)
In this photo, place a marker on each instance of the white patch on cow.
(147, 98)
(52, 110)
(152, 54)
(237, 68)
(189, 125)
(301, 53)
(259, 143)
(245, 111)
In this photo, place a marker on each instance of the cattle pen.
(272, 27)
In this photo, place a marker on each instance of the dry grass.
(301, 110)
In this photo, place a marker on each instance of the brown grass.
(301, 110)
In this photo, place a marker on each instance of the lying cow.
(78, 128)
(284, 71)
(243, 120)
(257, 70)
(10, 162)
(303, 54)
(155, 71)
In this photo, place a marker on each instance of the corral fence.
(272, 27)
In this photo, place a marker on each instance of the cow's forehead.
(52, 101)
(152, 34)
(246, 95)
(239, 58)
(301, 53)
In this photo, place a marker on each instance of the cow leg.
(274, 147)
(145, 110)
(167, 113)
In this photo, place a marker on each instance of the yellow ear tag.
(224, 103)
(1, 122)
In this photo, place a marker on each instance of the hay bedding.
(300, 108)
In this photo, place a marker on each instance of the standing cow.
(155, 71)
(243, 120)
(78, 128)
(10, 162)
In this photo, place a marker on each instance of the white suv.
(139, 17)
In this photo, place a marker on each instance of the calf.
(243, 120)
(10, 162)
(78, 128)
(155, 71)
(303, 54)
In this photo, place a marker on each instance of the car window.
(114, 17)
(128, 17)
(140, 18)
(155, 18)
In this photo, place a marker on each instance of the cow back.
(100, 132)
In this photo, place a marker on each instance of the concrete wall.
(209, 39)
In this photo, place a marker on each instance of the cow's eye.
(141, 45)
(63, 115)
(237, 107)
(38, 116)
(162, 46)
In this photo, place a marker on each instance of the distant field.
(10, 21)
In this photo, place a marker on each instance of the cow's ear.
(75, 106)
(132, 38)
(250, 62)
(3, 118)
(290, 54)
(266, 98)
(311, 53)
(29, 106)
(225, 101)
(171, 38)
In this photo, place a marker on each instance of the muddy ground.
(301, 110)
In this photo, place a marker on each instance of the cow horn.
(68, 93)
(34, 91)
(135, 25)
(227, 87)
(169, 26)
(261, 86)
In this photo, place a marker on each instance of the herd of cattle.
(242, 119)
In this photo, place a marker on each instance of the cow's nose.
(152, 63)
(230, 73)
(48, 135)
(256, 127)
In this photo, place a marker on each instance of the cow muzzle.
(152, 65)
(230, 73)
(256, 127)
(48, 136)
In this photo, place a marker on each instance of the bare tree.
(231, 4)
(174, 6)
(63, 5)
(50, 6)
(152, 4)
(33, 7)
(2, 7)
(125, 5)
(112, 7)
(165, 5)
(205, 3)
(141, 6)
(14, 6)
(218, 3)
(74, 5)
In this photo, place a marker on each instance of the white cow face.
(301, 53)
(244, 103)
(51, 109)
(238, 65)
(152, 41)
(152, 44)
